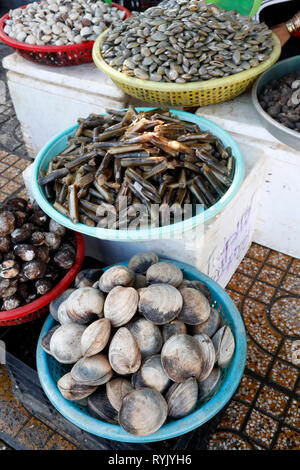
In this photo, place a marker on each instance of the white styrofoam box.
(219, 246)
(278, 217)
(50, 99)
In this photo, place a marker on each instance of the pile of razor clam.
(143, 343)
(182, 41)
(152, 158)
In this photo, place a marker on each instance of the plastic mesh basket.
(200, 93)
(49, 371)
(73, 54)
(40, 306)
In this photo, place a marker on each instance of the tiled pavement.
(265, 411)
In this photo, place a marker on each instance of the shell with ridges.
(160, 303)
(94, 370)
(210, 326)
(182, 398)
(73, 391)
(151, 374)
(95, 337)
(147, 336)
(124, 354)
(140, 262)
(46, 339)
(116, 389)
(84, 303)
(164, 273)
(116, 276)
(143, 411)
(175, 327)
(208, 355)
(209, 385)
(121, 305)
(181, 358)
(195, 309)
(224, 344)
(65, 343)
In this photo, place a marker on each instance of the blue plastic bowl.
(50, 371)
(58, 144)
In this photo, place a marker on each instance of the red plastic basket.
(40, 306)
(73, 54)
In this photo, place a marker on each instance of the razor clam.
(195, 309)
(84, 303)
(182, 398)
(95, 337)
(160, 303)
(65, 343)
(147, 336)
(143, 411)
(175, 327)
(208, 386)
(140, 262)
(94, 370)
(223, 341)
(73, 391)
(208, 355)
(151, 374)
(181, 358)
(210, 326)
(124, 354)
(116, 276)
(116, 389)
(121, 305)
(164, 273)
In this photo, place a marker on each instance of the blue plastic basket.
(49, 371)
(58, 144)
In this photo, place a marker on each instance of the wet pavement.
(265, 411)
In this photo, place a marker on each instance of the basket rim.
(35, 48)
(149, 233)
(182, 87)
(174, 428)
(20, 312)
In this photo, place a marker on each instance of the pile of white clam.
(61, 22)
(143, 321)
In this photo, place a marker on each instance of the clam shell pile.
(182, 41)
(142, 343)
(61, 22)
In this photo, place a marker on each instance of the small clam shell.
(209, 385)
(140, 262)
(199, 286)
(95, 337)
(208, 355)
(160, 303)
(124, 354)
(181, 358)
(195, 309)
(65, 343)
(100, 407)
(182, 398)
(62, 314)
(121, 305)
(147, 336)
(174, 328)
(210, 326)
(164, 273)
(46, 339)
(152, 375)
(116, 389)
(223, 341)
(143, 411)
(53, 307)
(72, 390)
(84, 303)
(94, 370)
(116, 276)
(87, 277)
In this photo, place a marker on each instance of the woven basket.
(73, 54)
(200, 93)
